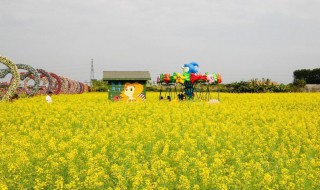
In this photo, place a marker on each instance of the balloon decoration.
(190, 67)
(15, 78)
(189, 85)
(50, 81)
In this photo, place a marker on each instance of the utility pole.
(91, 73)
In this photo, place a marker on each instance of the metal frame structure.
(198, 90)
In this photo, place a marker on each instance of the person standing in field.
(48, 97)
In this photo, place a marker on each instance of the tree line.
(308, 76)
(254, 86)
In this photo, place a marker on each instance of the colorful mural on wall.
(126, 91)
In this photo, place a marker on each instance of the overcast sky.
(240, 39)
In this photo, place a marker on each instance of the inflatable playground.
(190, 85)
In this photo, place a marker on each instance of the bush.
(300, 83)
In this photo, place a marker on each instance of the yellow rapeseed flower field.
(247, 141)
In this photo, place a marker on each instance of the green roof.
(126, 75)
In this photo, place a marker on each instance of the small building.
(311, 88)
(126, 85)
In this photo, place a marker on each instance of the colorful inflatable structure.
(43, 81)
(189, 85)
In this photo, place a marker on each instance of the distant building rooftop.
(126, 75)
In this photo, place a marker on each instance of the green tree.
(308, 75)
(99, 86)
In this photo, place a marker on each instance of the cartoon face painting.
(129, 91)
(132, 92)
